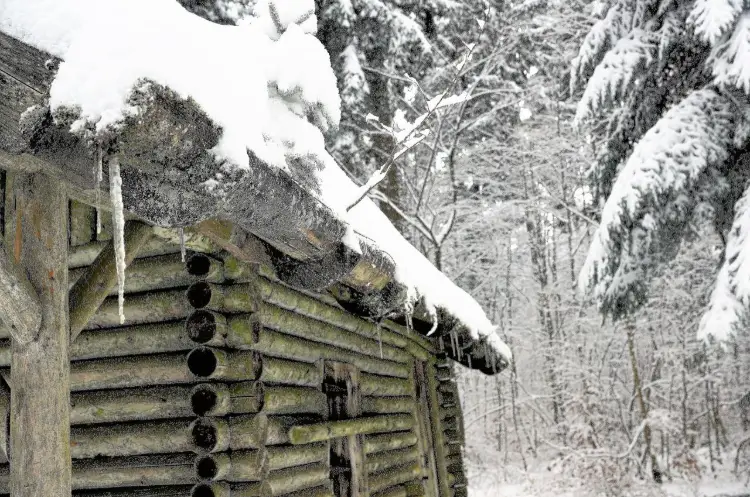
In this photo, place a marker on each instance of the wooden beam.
(37, 222)
(19, 304)
(93, 287)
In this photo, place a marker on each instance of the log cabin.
(260, 354)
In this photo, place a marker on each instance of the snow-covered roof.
(267, 84)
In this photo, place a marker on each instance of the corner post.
(37, 239)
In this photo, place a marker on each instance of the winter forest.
(579, 168)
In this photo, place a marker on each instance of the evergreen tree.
(666, 84)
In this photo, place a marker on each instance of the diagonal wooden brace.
(19, 304)
(101, 277)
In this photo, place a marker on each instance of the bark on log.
(285, 372)
(84, 255)
(37, 229)
(130, 372)
(249, 431)
(93, 286)
(389, 441)
(394, 476)
(294, 400)
(388, 459)
(385, 386)
(20, 308)
(305, 434)
(399, 491)
(82, 223)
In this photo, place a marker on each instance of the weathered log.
(385, 386)
(312, 492)
(240, 298)
(162, 272)
(130, 372)
(399, 491)
(388, 459)
(4, 422)
(20, 308)
(453, 437)
(99, 279)
(287, 456)
(153, 307)
(221, 489)
(285, 372)
(214, 364)
(136, 404)
(389, 441)
(249, 431)
(252, 397)
(126, 341)
(387, 405)
(394, 476)
(289, 480)
(438, 436)
(166, 491)
(237, 466)
(82, 223)
(281, 345)
(150, 437)
(206, 327)
(304, 434)
(36, 217)
(134, 471)
(292, 300)
(84, 255)
(294, 400)
(415, 489)
(278, 427)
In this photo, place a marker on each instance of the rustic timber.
(4, 422)
(237, 466)
(287, 456)
(289, 480)
(394, 476)
(360, 426)
(145, 308)
(100, 278)
(36, 227)
(136, 404)
(20, 309)
(389, 441)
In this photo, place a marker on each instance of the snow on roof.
(260, 82)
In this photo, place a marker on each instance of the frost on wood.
(652, 196)
(118, 232)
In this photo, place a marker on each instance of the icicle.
(182, 244)
(118, 231)
(98, 176)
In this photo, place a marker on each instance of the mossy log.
(312, 492)
(240, 299)
(287, 456)
(134, 471)
(130, 372)
(125, 341)
(153, 307)
(389, 441)
(415, 489)
(283, 345)
(237, 466)
(278, 427)
(438, 435)
(304, 434)
(297, 478)
(398, 491)
(250, 431)
(166, 491)
(286, 372)
(390, 458)
(384, 386)
(162, 272)
(387, 405)
(100, 278)
(394, 476)
(222, 489)
(135, 404)
(291, 300)
(252, 397)
(150, 437)
(214, 364)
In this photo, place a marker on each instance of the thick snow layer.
(258, 81)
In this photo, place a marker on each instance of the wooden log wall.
(213, 387)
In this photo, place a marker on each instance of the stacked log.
(452, 427)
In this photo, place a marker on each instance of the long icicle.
(118, 231)
(98, 176)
